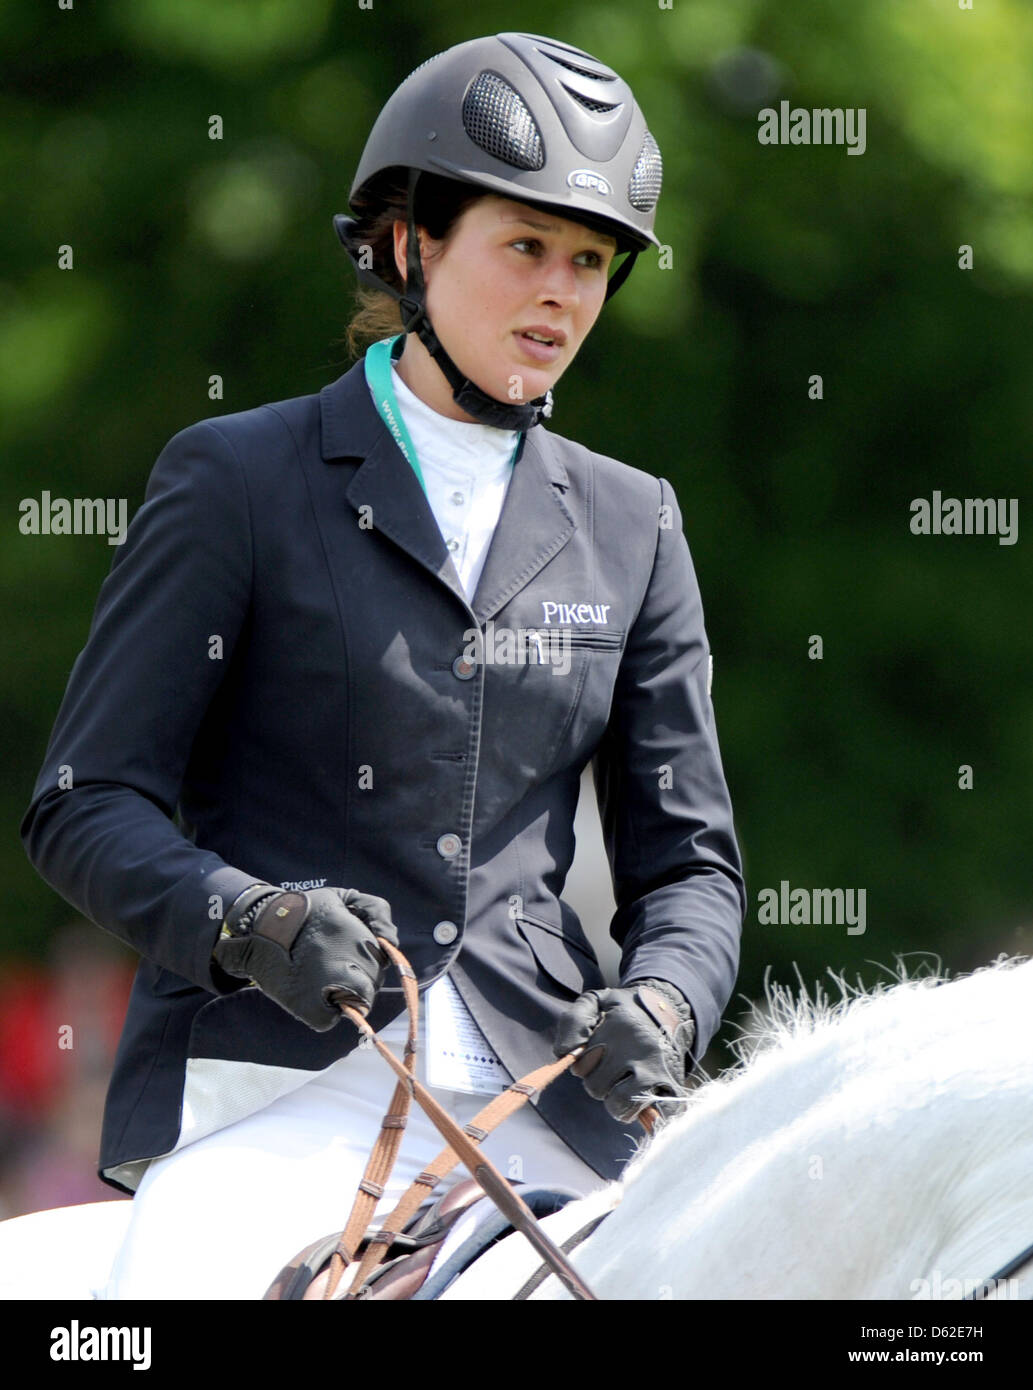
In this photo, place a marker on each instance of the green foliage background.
(195, 257)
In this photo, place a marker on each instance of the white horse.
(880, 1148)
(877, 1148)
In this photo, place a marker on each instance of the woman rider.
(496, 187)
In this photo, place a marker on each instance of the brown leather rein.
(462, 1146)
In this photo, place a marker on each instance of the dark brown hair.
(439, 204)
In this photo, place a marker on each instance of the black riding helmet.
(528, 118)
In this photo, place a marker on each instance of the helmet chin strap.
(466, 394)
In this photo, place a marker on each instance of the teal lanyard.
(378, 374)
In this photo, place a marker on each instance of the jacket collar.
(534, 525)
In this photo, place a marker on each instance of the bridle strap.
(543, 1271)
(462, 1146)
(1012, 1267)
(382, 1157)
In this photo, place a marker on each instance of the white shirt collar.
(459, 446)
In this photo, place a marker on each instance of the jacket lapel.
(534, 524)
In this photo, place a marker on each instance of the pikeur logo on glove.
(302, 948)
(638, 1044)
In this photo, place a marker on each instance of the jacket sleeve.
(664, 805)
(99, 828)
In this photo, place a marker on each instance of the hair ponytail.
(440, 202)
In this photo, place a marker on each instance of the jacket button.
(445, 933)
(464, 669)
(449, 846)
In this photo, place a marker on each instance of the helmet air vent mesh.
(596, 73)
(588, 102)
(646, 177)
(496, 118)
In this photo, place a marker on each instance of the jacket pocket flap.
(561, 957)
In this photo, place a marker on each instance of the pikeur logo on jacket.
(554, 611)
(370, 752)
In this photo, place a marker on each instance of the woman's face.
(507, 270)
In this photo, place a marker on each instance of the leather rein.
(1021, 1262)
(462, 1146)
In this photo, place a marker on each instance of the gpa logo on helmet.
(588, 181)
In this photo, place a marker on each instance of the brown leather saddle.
(403, 1273)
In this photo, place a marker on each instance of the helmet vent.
(589, 104)
(584, 72)
(646, 177)
(496, 118)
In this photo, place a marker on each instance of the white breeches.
(220, 1217)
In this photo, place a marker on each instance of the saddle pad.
(498, 1272)
(480, 1227)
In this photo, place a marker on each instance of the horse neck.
(877, 1152)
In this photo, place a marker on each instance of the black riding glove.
(300, 947)
(639, 1041)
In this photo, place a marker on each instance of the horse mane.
(883, 1023)
(895, 1120)
(869, 1142)
(785, 1017)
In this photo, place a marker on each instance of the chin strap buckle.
(413, 312)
